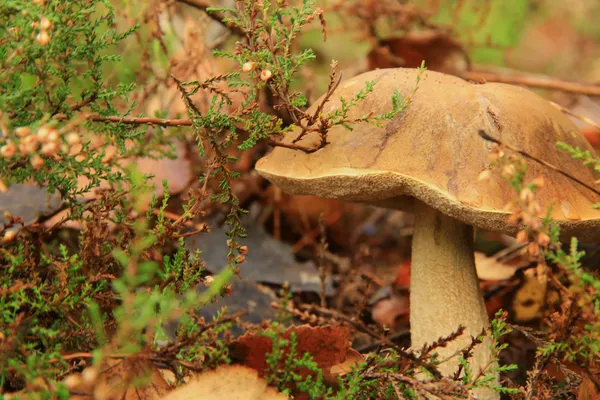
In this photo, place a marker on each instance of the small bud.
(75, 149)
(45, 23)
(535, 224)
(73, 138)
(89, 375)
(541, 272)
(248, 66)
(43, 133)
(496, 154)
(37, 162)
(28, 145)
(9, 236)
(543, 239)
(538, 182)
(72, 381)
(265, 75)
(485, 175)
(509, 171)
(514, 218)
(534, 208)
(240, 258)
(53, 135)
(43, 38)
(22, 131)
(209, 280)
(8, 150)
(522, 237)
(244, 250)
(110, 152)
(533, 249)
(526, 195)
(49, 149)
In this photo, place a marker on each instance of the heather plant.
(71, 299)
(74, 80)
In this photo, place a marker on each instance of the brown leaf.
(588, 389)
(353, 359)
(328, 346)
(177, 172)
(490, 269)
(441, 52)
(392, 312)
(119, 380)
(529, 299)
(228, 382)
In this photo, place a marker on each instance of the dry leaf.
(120, 380)
(490, 269)
(392, 312)
(588, 389)
(228, 382)
(529, 299)
(441, 53)
(328, 346)
(177, 172)
(353, 359)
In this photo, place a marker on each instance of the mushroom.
(427, 160)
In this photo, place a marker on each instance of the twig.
(364, 329)
(487, 137)
(293, 146)
(537, 81)
(134, 120)
(579, 117)
(204, 5)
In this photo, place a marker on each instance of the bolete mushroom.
(427, 160)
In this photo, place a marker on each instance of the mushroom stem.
(444, 290)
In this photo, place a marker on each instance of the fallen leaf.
(490, 269)
(529, 298)
(392, 312)
(177, 172)
(439, 51)
(353, 359)
(227, 382)
(588, 389)
(328, 345)
(125, 379)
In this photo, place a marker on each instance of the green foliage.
(285, 366)
(489, 27)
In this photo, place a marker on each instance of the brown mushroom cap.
(432, 152)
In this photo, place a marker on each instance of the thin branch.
(293, 146)
(133, 120)
(537, 81)
(487, 137)
(204, 5)
(364, 329)
(579, 117)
